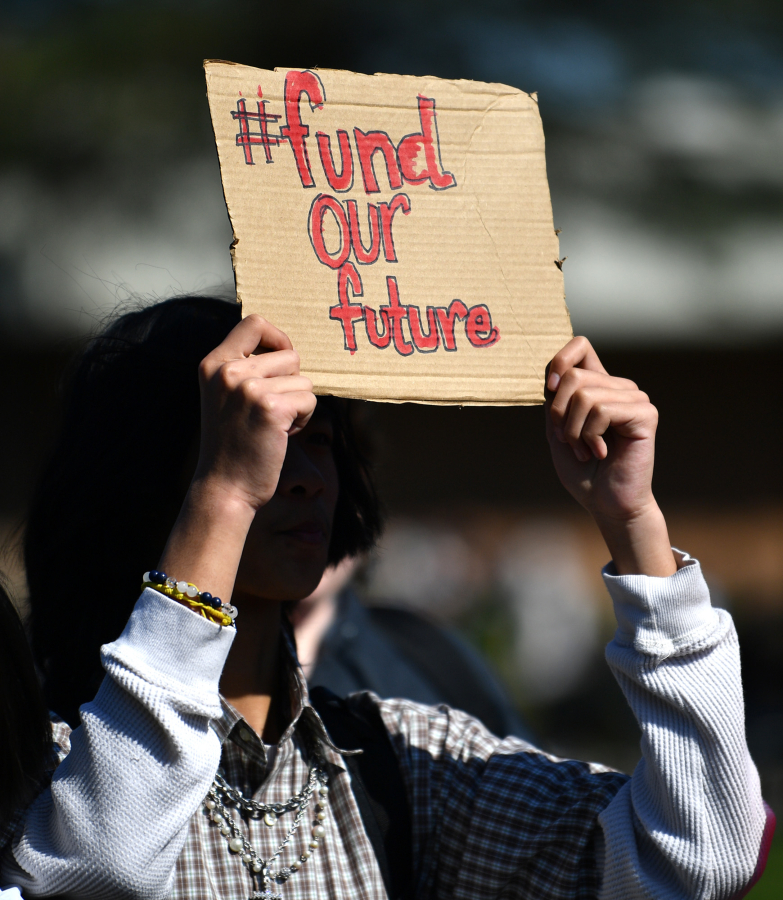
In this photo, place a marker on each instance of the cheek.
(274, 570)
(331, 485)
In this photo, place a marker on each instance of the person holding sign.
(175, 787)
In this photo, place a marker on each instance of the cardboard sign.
(398, 229)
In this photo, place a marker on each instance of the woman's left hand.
(601, 431)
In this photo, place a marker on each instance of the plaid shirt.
(491, 817)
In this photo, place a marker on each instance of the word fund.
(344, 237)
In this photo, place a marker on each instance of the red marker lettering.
(479, 328)
(412, 146)
(387, 210)
(379, 340)
(345, 311)
(294, 130)
(322, 204)
(424, 343)
(343, 181)
(446, 320)
(364, 257)
(367, 145)
(397, 314)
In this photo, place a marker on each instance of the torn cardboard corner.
(398, 229)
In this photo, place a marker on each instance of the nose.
(300, 476)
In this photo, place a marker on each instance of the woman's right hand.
(251, 403)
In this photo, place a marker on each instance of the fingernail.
(554, 381)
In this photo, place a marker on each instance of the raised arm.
(601, 430)
(251, 403)
(691, 822)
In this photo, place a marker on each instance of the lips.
(309, 532)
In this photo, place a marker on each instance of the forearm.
(206, 543)
(139, 766)
(639, 544)
(690, 822)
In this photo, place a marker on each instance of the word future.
(414, 160)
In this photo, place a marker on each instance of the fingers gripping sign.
(252, 400)
(601, 431)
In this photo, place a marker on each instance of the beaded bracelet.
(202, 602)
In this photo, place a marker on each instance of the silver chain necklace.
(222, 797)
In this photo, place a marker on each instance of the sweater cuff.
(662, 617)
(170, 646)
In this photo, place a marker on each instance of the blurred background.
(664, 128)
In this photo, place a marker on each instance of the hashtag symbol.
(247, 138)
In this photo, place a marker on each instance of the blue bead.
(206, 597)
(157, 577)
(216, 602)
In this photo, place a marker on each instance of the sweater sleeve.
(116, 816)
(691, 822)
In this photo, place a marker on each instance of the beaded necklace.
(222, 797)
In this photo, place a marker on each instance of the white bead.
(210, 803)
(314, 845)
(270, 819)
(319, 831)
(191, 590)
(182, 586)
(323, 790)
(225, 830)
(235, 845)
(305, 855)
(320, 816)
(217, 818)
(247, 858)
(295, 865)
(257, 866)
(145, 577)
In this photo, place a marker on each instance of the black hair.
(25, 729)
(112, 490)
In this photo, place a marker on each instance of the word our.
(379, 217)
(414, 160)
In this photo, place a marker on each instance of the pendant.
(267, 888)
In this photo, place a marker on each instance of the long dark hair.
(25, 730)
(114, 485)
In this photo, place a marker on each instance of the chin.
(282, 581)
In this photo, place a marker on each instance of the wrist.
(206, 543)
(221, 503)
(638, 542)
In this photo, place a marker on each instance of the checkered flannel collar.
(306, 720)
